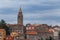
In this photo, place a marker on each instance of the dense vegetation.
(4, 26)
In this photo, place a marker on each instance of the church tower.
(20, 17)
(20, 25)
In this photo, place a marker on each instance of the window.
(29, 27)
(26, 28)
(32, 27)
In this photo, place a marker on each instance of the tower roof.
(20, 10)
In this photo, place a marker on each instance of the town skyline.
(41, 12)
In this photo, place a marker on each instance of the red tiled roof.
(48, 31)
(9, 38)
(13, 25)
(32, 32)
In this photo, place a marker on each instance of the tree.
(47, 39)
(51, 38)
(41, 38)
(4, 26)
(59, 34)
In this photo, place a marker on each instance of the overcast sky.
(34, 11)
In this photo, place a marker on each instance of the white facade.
(56, 33)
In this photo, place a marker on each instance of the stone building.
(18, 28)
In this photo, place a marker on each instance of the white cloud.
(41, 14)
(54, 12)
(10, 18)
(49, 22)
(25, 3)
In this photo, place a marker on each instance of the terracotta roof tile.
(32, 32)
(13, 25)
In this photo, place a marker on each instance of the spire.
(20, 17)
(20, 10)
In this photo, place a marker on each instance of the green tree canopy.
(4, 26)
(41, 38)
(51, 38)
(59, 34)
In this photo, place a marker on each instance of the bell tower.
(20, 17)
(20, 25)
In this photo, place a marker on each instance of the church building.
(17, 28)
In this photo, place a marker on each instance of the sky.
(34, 11)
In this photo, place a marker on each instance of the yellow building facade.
(2, 34)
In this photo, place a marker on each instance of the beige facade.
(56, 32)
(2, 34)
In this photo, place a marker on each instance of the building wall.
(56, 33)
(42, 31)
(19, 30)
(2, 34)
(32, 37)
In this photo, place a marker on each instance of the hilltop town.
(30, 31)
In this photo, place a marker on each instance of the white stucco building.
(56, 32)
